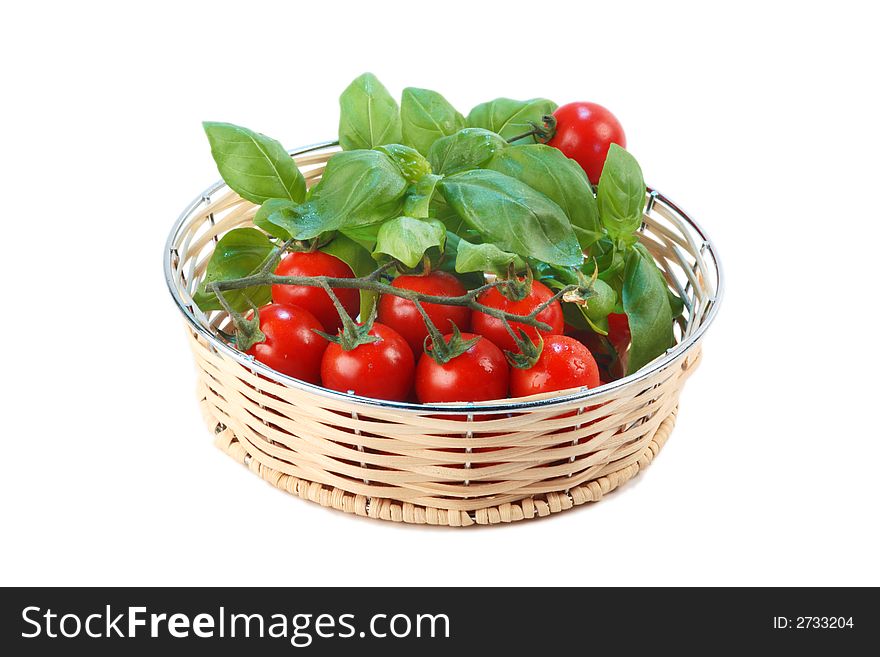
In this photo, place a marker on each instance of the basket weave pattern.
(486, 463)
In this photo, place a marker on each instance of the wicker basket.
(455, 464)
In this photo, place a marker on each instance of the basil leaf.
(621, 196)
(440, 209)
(278, 217)
(646, 302)
(240, 252)
(470, 280)
(406, 239)
(361, 262)
(368, 115)
(562, 180)
(411, 163)
(675, 303)
(513, 216)
(609, 260)
(484, 258)
(417, 202)
(466, 149)
(364, 235)
(358, 188)
(256, 167)
(510, 118)
(426, 117)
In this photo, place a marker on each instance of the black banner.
(433, 621)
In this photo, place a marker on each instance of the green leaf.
(411, 163)
(609, 259)
(364, 235)
(278, 217)
(256, 167)
(646, 302)
(239, 253)
(562, 180)
(513, 216)
(440, 209)
(510, 118)
(406, 239)
(368, 115)
(621, 196)
(427, 116)
(417, 202)
(361, 262)
(470, 280)
(484, 258)
(466, 149)
(675, 303)
(358, 188)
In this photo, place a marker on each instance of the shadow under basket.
(450, 464)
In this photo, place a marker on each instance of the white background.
(762, 121)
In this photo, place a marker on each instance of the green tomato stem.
(542, 133)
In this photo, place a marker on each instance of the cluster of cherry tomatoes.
(395, 366)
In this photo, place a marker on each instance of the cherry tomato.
(382, 369)
(610, 368)
(585, 132)
(314, 299)
(564, 363)
(479, 374)
(618, 331)
(494, 329)
(402, 315)
(291, 346)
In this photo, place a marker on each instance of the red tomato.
(402, 315)
(618, 331)
(291, 347)
(564, 363)
(479, 374)
(382, 369)
(494, 329)
(585, 132)
(603, 353)
(314, 299)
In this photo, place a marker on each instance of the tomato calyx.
(443, 350)
(585, 290)
(529, 352)
(351, 335)
(247, 331)
(543, 132)
(513, 287)
(436, 345)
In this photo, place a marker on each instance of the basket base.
(537, 506)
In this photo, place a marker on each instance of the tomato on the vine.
(564, 363)
(585, 132)
(382, 369)
(291, 346)
(314, 299)
(403, 316)
(494, 329)
(479, 374)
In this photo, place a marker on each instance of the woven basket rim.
(507, 406)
